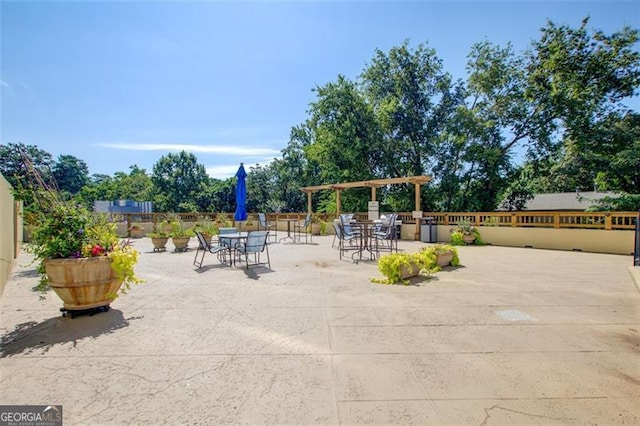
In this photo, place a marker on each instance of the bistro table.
(289, 222)
(230, 241)
(365, 229)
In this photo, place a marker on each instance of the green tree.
(136, 185)
(580, 79)
(346, 140)
(412, 100)
(178, 180)
(261, 185)
(215, 195)
(70, 173)
(554, 102)
(14, 168)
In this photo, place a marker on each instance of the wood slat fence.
(553, 219)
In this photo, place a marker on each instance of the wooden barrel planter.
(84, 283)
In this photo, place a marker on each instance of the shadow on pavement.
(31, 336)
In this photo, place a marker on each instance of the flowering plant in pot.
(81, 256)
(464, 233)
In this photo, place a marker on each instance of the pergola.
(373, 184)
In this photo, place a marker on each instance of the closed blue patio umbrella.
(241, 194)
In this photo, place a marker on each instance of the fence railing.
(554, 219)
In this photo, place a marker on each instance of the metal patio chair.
(265, 225)
(305, 226)
(206, 247)
(255, 244)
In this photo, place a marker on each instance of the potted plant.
(323, 227)
(206, 227)
(445, 254)
(397, 267)
(250, 224)
(81, 257)
(180, 235)
(136, 230)
(464, 233)
(160, 235)
(316, 225)
(222, 221)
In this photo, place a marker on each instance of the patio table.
(366, 230)
(289, 222)
(233, 239)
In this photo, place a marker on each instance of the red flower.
(97, 250)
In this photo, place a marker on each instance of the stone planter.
(84, 283)
(444, 259)
(136, 232)
(180, 243)
(410, 271)
(159, 243)
(315, 228)
(468, 238)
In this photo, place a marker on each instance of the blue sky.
(123, 83)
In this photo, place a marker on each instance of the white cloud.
(224, 171)
(5, 84)
(207, 149)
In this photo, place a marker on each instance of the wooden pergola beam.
(368, 183)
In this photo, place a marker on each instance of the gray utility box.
(428, 230)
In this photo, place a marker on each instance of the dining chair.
(336, 235)
(344, 238)
(265, 225)
(300, 226)
(206, 247)
(346, 220)
(255, 244)
(385, 236)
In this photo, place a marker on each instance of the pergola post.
(338, 207)
(418, 207)
(309, 208)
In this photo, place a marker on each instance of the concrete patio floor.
(514, 336)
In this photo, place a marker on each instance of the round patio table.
(289, 222)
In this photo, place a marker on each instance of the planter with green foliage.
(445, 254)
(136, 230)
(160, 235)
(180, 235)
(206, 227)
(464, 234)
(398, 267)
(82, 258)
